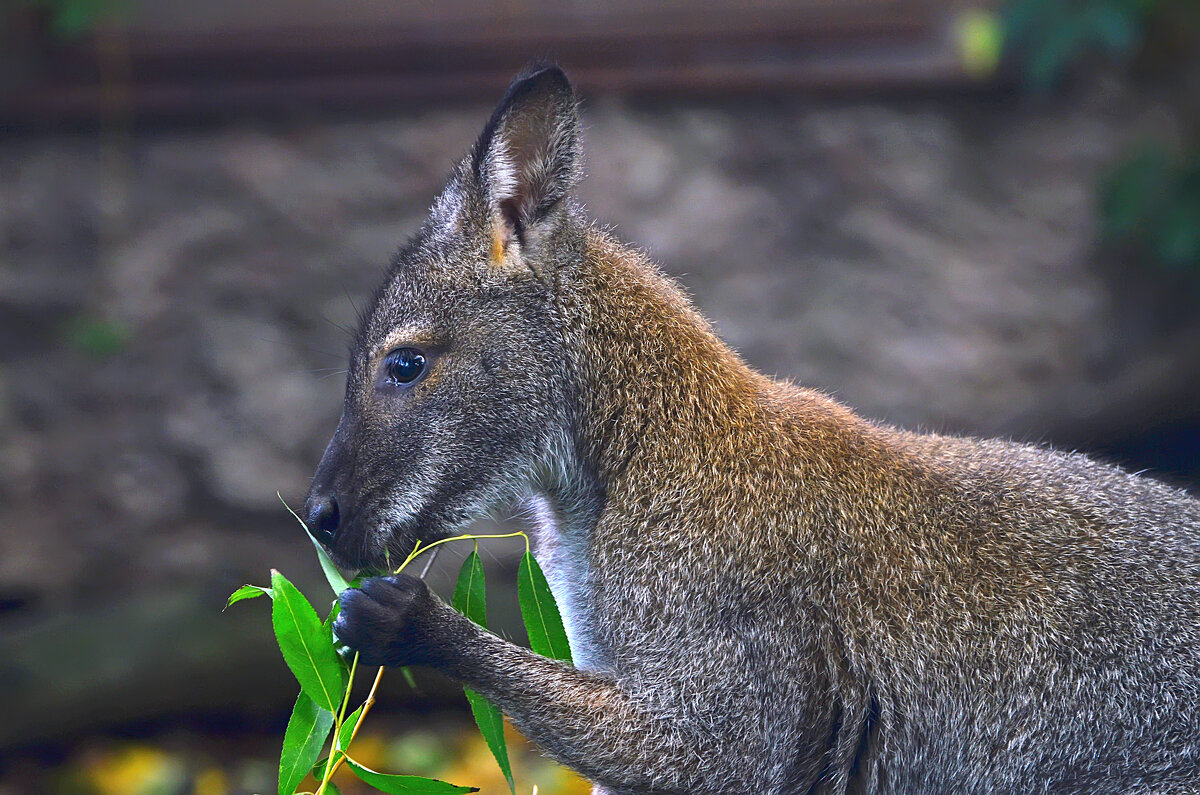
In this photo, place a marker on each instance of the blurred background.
(978, 217)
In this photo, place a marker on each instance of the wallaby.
(764, 592)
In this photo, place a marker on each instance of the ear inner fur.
(527, 159)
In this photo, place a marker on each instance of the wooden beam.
(815, 48)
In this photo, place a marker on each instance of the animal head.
(457, 381)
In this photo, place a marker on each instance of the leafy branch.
(326, 680)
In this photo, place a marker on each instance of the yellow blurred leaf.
(212, 781)
(133, 770)
(979, 39)
(370, 750)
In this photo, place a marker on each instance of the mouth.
(378, 539)
(348, 541)
(352, 550)
(359, 565)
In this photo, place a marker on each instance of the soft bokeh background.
(959, 216)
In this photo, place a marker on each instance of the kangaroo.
(764, 592)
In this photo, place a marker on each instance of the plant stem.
(421, 550)
(366, 707)
(339, 755)
(330, 766)
(349, 686)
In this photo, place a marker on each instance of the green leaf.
(247, 592)
(543, 622)
(302, 742)
(469, 594)
(348, 729)
(491, 726)
(331, 789)
(327, 624)
(334, 609)
(470, 600)
(305, 645)
(344, 653)
(332, 575)
(405, 785)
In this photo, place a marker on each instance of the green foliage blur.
(1149, 201)
(98, 338)
(72, 19)
(1049, 36)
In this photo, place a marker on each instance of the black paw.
(389, 621)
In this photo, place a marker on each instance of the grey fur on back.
(1087, 679)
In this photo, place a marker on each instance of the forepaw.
(387, 621)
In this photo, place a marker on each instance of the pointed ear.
(527, 160)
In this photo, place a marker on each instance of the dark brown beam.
(825, 49)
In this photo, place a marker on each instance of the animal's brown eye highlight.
(403, 366)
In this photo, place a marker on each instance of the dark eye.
(403, 366)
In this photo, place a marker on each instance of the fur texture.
(765, 593)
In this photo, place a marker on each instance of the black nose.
(323, 520)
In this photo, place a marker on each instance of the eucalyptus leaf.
(302, 742)
(334, 609)
(405, 785)
(469, 593)
(348, 729)
(543, 622)
(247, 592)
(491, 726)
(470, 600)
(334, 577)
(332, 574)
(344, 653)
(305, 645)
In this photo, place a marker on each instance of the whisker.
(359, 312)
(343, 371)
(349, 332)
(487, 553)
(297, 346)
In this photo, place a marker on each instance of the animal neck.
(654, 381)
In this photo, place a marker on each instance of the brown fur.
(764, 591)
